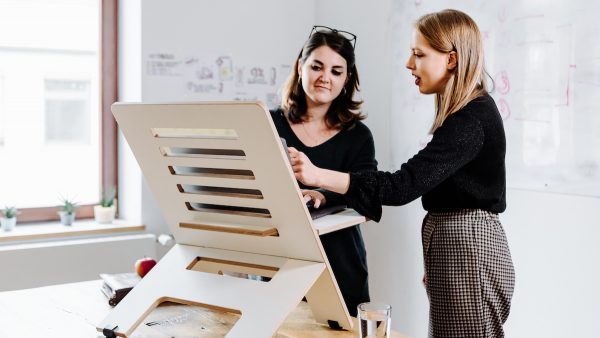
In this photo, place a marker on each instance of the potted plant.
(67, 212)
(9, 218)
(105, 212)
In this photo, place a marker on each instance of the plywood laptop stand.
(223, 182)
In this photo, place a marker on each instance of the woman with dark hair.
(320, 117)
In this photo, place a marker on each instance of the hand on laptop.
(315, 197)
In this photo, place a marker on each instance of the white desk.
(73, 310)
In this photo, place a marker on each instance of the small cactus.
(68, 206)
(10, 212)
(108, 198)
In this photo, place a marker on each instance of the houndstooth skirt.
(469, 274)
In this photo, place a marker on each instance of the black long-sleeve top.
(462, 167)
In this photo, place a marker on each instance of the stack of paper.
(116, 286)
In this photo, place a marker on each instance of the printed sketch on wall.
(220, 77)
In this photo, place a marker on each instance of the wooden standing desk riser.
(224, 185)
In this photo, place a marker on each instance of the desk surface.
(73, 310)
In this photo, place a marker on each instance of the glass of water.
(374, 320)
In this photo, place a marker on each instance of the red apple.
(144, 265)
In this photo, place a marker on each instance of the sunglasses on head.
(324, 29)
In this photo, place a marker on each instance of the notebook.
(116, 286)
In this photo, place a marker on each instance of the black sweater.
(351, 149)
(462, 167)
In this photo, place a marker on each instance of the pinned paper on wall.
(163, 64)
(260, 82)
(225, 66)
(202, 76)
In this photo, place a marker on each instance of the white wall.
(67, 261)
(552, 237)
(130, 90)
(554, 242)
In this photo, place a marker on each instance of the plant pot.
(8, 223)
(104, 215)
(66, 218)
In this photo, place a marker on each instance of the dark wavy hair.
(344, 110)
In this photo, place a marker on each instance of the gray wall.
(552, 237)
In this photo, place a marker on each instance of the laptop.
(324, 210)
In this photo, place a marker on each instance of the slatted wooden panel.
(220, 146)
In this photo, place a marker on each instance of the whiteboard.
(544, 58)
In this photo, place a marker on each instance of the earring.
(344, 91)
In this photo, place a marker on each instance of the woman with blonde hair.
(460, 174)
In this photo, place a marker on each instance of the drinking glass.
(374, 320)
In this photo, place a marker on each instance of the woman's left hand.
(313, 195)
(304, 170)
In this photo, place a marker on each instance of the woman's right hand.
(313, 176)
(304, 170)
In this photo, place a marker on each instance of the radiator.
(25, 266)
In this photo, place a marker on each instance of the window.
(68, 112)
(57, 135)
(2, 123)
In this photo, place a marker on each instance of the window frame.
(108, 95)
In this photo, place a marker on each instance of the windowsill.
(52, 230)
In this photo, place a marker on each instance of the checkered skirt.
(470, 275)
